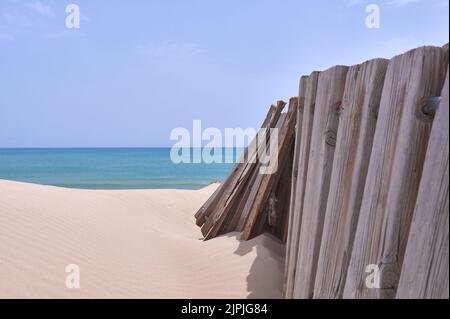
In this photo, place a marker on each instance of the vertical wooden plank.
(296, 159)
(302, 169)
(425, 271)
(357, 124)
(408, 163)
(323, 141)
(401, 138)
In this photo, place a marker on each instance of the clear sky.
(137, 69)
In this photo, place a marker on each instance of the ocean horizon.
(110, 168)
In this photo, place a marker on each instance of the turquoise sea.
(109, 168)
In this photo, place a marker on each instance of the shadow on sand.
(265, 278)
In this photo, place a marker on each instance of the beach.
(127, 244)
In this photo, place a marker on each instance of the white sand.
(128, 244)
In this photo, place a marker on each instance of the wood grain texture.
(330, 90)
(276, 210)
(425, 272)
(238, 221)
(409, 157)
(302, 169)
(208, 208)
(279, 224)
(233, 191)
(203, 213)
(362, 180)
(254, 188)
(355, 135)
(279, 201)
(395, 168)
(255, 206)
(296, 159)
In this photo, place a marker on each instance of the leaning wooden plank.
(212, 227)
(269, 180)
(205, 211)
(267, 214)
(240, 170)
(234, 223)
(208, 207)
(232, 210)
(425, 267)
(230, 222)
(278, 218)
(302, 168)
(273, 215)
(357, 124)
(273, 219)
(298, 130)
(202, 214)
(400, 142)
(323, 141)
(254, 187)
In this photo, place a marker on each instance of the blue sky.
(137, 69)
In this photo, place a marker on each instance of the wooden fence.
(361, 194)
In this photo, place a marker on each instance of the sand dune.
(128, 244)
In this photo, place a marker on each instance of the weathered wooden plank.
(276, 209)
(295, 163)
(270, 218)
(356, 130)
(253, 188)
(425, 271)
(408, 163)
(286, 135)
(283, 193)
(237, 222)
(212, 227)
(399, 147)
(298, 130)
(242, 169)
(302, 169)
(235, 219)
(202, 214)
(323, 141)
(274, 212)
(209, 207)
